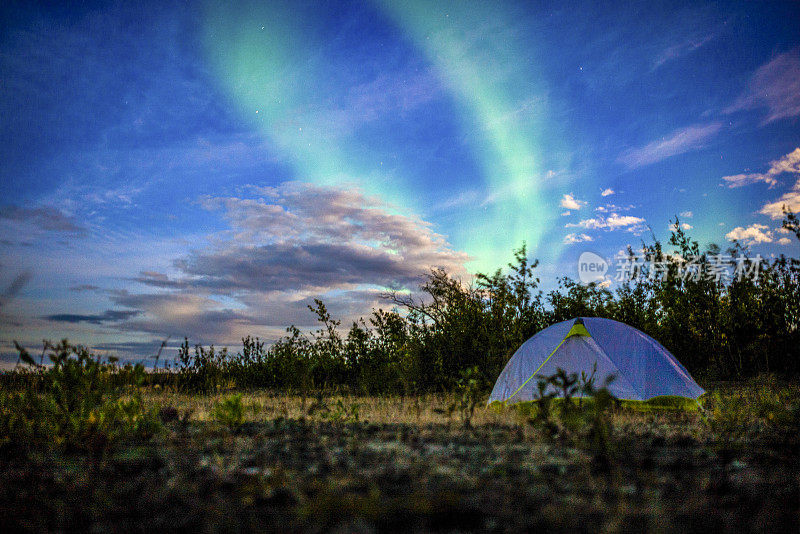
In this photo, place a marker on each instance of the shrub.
(229, 412)
(74, 403)
(469, 389)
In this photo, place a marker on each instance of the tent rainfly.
(641, 367)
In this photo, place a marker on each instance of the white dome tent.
(641, 367)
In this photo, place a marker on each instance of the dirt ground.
(375, 464)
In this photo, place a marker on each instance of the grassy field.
(262, 460)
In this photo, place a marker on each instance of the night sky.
(207, 170)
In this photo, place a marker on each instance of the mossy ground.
(365, 464)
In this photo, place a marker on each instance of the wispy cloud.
(613, 208)
(16, 285)
(683, 48)
(612, 222)
(109, 316)
(470, 197)
(389, 94)
(740, 180)
(571, 239)
(635, 42)
(607, 192)
(84, 287)
(678, 142)
(569, 202)
(789, 201)
(181, 314)
(790, 163)
(775, 86)
(42, 218)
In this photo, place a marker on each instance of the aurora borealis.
(255, 50)
(207, 169)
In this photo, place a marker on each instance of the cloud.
(16, 285)
(678, 142)
(287, 245)
(618, 221)
(775, 86)
(571, 203)
(790, 163)
(303, 236)
(752, 235)
(784, 241)
(180, 314)
(606, 192)
(44, 218)
(109, 316)
(612, 222)
(613, 208)
(789, 201)
(280, 248)
(685, 226)
(470, 197)
(687, 214)
(84, 287)
(682, 48)
(389, 94)
(739, 180)
(286, 266)
(266, 314)
(571, 239)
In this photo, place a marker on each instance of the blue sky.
(175, 169)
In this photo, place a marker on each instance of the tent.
(641, 367)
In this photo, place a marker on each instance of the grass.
(237, 460)
(265, 406)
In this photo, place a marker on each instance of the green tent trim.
(664, 403)
(578, 329)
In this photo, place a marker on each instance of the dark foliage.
(730, 327)
(718, 327)
(78, 402)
